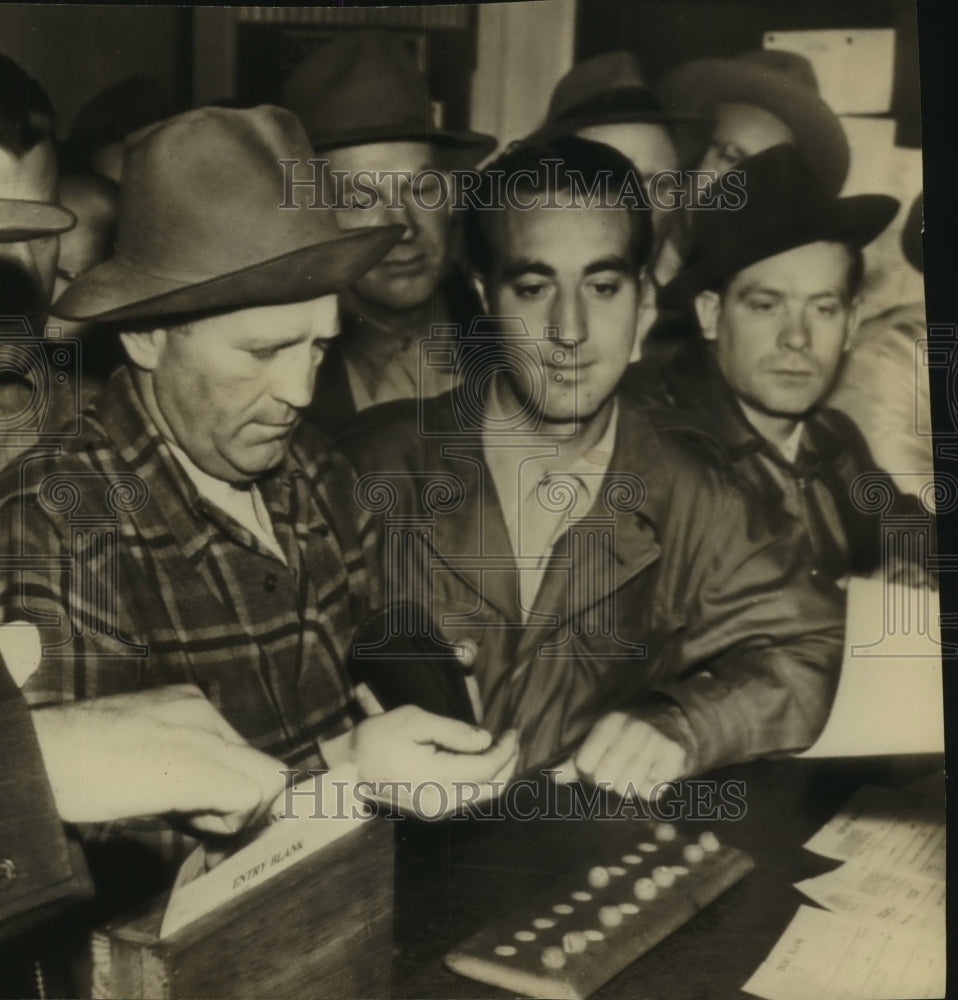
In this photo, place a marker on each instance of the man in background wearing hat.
(776, 290)
(606, 99)
(366, 107)
(739, 107)
(239, 561)
(30, 224)
(619, 604)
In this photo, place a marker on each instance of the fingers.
(629, 756)
(450, 734)
(605, 734)
(480, 767)
(232, 781)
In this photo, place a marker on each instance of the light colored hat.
(201, 228)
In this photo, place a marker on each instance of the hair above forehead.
(26, 114)
(566, 168)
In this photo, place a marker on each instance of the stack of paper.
(884, 937)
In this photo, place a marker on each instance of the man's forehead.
(567, 233)
(273, 323)
(30, 177)
(381, 156)
(739, 121)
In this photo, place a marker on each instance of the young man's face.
(781, 328)
(571, 268)
(28, 268)
(230, 388)
(742, 130)
(409, 274)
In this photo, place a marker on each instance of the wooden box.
(321, 928)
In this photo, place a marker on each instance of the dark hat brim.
(29, 220)
(115, 291)
(857, 220)
(463, 148)
(698, 86)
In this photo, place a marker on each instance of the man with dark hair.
(776, 289)
(606, 585)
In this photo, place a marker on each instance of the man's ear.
(145, 348)
(707, 309)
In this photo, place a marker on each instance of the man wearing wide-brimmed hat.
(366, 107)
(607, 99)
(739, 107)
(776, 290)
(191, 533)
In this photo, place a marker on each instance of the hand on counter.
(429, 765)
(165, 750)
(627, 755)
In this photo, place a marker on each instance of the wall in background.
(75, 50)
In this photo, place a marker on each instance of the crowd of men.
(638, 565)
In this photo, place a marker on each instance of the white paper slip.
(316, 815)
(822, 956)
(887, 827)
(889, 697)
(897, 898)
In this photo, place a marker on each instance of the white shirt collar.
(244, 505)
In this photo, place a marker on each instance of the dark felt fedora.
(607, 89)
(201, 225)
(28, 220)
(783, 83)
(785, 207)
(365, 87)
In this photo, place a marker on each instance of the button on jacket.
(670, 599)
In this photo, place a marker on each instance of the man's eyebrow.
(755, 288)
(524, 265)
(614, 263)
(254, 343)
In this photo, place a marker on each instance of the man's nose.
(794, 334)
(570, 317)
(295, 380)
(402, 212)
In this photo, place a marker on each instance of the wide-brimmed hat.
(201, 224)
(28, 220)
(785, 207)
(783, 83)
(607, 89)
(365, 87)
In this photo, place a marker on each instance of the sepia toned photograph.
(475, 484)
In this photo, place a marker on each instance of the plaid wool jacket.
(135, 581)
